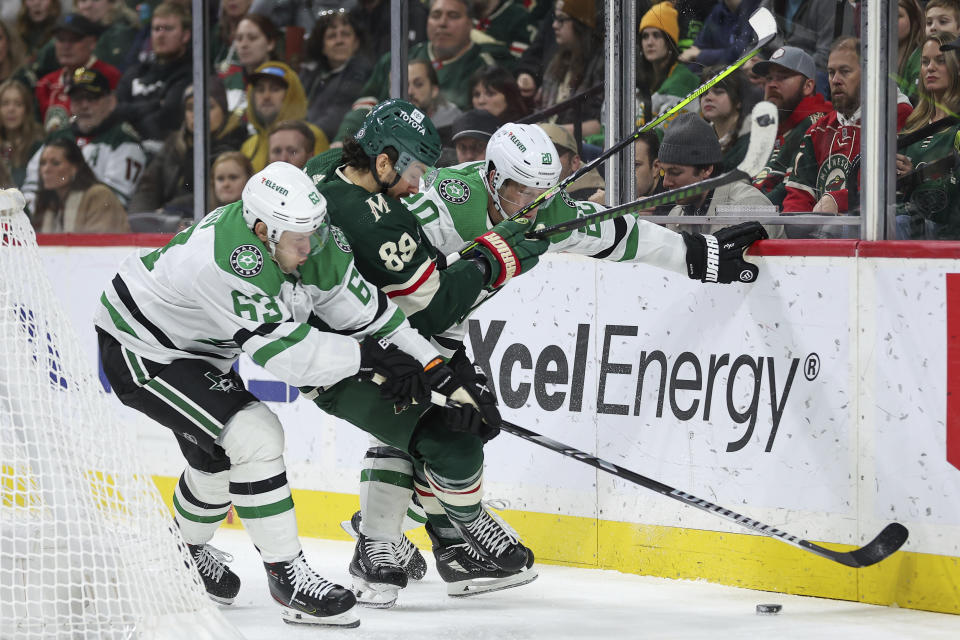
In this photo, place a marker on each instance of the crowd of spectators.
(96, 101)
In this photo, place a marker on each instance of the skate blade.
(348, 619)
(347, 526)
(220, 599)
(375, 595)
(475, 587)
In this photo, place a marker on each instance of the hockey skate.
(377, 574)
(306, 598)
(221, 583)
(407, 553)
(467, 574)
(493, 540)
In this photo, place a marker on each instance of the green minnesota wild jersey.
(213, 292)
(452, 209)
(392, 251)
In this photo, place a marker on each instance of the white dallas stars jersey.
(452, 208)
(213, 291)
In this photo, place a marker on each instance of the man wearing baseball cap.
(471, 132)
(110, 145)
(75, 37)
(275, 94)
(584, 186)
(790, 83)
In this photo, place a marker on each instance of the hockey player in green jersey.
(472, 202)
(245, 279)
(362, 184)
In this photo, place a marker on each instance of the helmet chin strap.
(495, 197)
(384, 186)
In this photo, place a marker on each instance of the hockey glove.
(504, 252)
(406, 382)
(719, 257)
(477, 413)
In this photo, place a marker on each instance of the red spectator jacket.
(52, 98)
(828, 149)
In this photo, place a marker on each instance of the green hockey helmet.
(399, 124)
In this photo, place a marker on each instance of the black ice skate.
(407, 553)
(493, 540)
(377, 574)
(467, 574)
(221, 583)
(306, 598)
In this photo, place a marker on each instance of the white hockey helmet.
(283, 198)
(524, 153)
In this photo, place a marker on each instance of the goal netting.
(87, 547)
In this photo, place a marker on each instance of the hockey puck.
(769, 609)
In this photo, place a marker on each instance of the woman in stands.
(11, 51)
(35, 22)
(910, 22)
(221, 41)
(928, 200)
(230, 172)
(723, 107)
(336, 69)
(576, 65)
(167, 183)
(661, 81)
(20, 132)
(70, 199)
(256, 40)
(494, 90)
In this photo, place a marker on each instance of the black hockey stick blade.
(893, 536)
(763, 135)
(764, 27)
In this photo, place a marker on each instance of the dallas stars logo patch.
(567, 199)
(246, 260)
(454, 190)
(222, 382)
(340, 239)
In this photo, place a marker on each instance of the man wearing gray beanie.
(690, 153)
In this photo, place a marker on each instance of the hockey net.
(87, 547)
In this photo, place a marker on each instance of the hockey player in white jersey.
(458, 204)
(173, 322)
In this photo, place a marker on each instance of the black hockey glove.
(719, 257)
(466, 385)
(405, 380)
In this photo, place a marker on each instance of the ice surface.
(566, 602)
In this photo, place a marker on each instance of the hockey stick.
(765, 29)
(887, 541)
(763, 134)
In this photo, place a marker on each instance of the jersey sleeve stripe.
(633, 242)
(420, 295)
(123, 293)
(418, 278)
(242, 335)
(620, 230)
(263, 355)
(392, 325)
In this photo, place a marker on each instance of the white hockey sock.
(261, 497)
(201, 501)
(386, 487)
